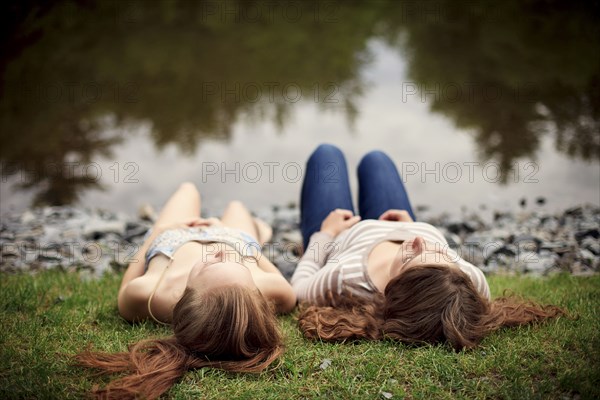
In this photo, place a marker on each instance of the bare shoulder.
(133, 298)
(277, 289)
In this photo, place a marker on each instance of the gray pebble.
(530, 242)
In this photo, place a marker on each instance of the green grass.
(47, 317)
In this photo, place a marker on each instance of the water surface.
(112, 105)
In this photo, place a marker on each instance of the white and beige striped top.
(341, 264)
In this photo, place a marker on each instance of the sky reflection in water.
(469, 118)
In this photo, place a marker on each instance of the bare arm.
(266, 265)
(136, 265)
(132, 296)
(133, 300)
(275, 288)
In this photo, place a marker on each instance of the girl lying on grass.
(207, 279)
(386, 276)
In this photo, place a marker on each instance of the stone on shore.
(98, 241)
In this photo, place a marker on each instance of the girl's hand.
(396, 215)
(337, 221)
(213, 221)
(197, 221)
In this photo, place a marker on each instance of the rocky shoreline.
(97, 241)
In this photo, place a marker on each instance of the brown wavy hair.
(231, 328)
(423, 304)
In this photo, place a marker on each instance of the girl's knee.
(189, 188)
(236, 205)
(235, 213)
(375, 156)
(326, 149)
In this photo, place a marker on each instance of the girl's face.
(417, 251)
(221, 268)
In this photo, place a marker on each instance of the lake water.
(235, 99)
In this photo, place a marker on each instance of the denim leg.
(325, 188)
(380, 187)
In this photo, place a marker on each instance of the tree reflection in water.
(510, 72)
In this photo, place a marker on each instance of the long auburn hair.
(423, 304)
(231, 328)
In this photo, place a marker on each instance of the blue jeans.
(326, 187)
